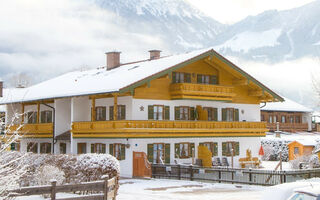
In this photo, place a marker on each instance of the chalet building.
(158, 110)
(291, 116)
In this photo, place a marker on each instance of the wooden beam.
(255, 93)
(115, 106)
(93, 109)
(38, 112)
(22, 111)
(240, 82)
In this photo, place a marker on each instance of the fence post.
(191, 173)
(250, 176)
(53, 189)
(179, 172)
(284, 177)
(106, 189)
(219, 174)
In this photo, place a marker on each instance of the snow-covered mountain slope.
(274, 35)
(176, 22)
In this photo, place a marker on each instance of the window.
(159, 153)
(46, 116)
(63, 148)
(283, 119)
(262, 118)
(207, 79)
(118, 151)
(227, 148)
(158, 112)
(291, 119)
(15, 146)
(82, 148)
(98, 148)
(32, 147)
(212, 113)
(230, 114)
(270, 118)
(184, 113)
(100, 113)
(212, 146)
(45, 147)
(121, 112)
(298, 119)
(296, 150)
(184, 150)
(32, 117)
(181, 77)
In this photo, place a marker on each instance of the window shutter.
(103, 148)
(188, 77)
(150, 112)
(123, 112)
(215, 114)
(92, 148)
(236, 115)
(174, 77)
(224, 149)
(177, 113)
(224, 114)
(110, 112)
(111, 149)
(192, 113)
(167, 154)
(167, 112)
(150, 153)
(177, 150)
(199, 78)
(123, 152)
(191, 149)
(236, 149)
(215, 149)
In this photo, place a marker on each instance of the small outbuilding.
(300, 147)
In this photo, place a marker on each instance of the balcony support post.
(22, 112)
(93, 109)
(38, 112)
(115, 107)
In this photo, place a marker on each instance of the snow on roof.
(287, 105)
(2, 108)
(100, 80)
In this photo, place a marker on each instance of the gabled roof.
(287, 105)
(121, 79)
(305, 142)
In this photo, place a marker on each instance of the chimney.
(113, 59)
(154, 54)
(1, 88)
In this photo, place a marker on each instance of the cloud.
(46, 38)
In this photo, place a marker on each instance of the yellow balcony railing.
(32, 130)
(131, 128)
(201, 91)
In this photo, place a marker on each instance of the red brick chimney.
(154, 54)
(1, 88)
(113, 59)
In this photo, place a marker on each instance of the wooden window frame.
(32, 147)
(46, 146)
(163, 153)
(32, 117)
(233, 146)
(187, 114)
(294, 151)
(60, 146)
(98, 148)
(81, 144)
(188, 150)
(99, 114)
(211, 147)
(179, 79)
(212, 111)
(154, 113)
(46, 113)
(114, 150)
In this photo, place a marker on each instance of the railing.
(232, 175)
(179, 90)
(288, 127)
(44, 129)
(108, 187)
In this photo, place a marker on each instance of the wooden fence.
(232, 175)
(107, 189)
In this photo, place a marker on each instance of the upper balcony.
(201, 91)
(41, 130)
(150, 128)
(288, 127)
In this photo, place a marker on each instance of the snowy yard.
(161, 189)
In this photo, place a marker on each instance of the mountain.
(274, 35)
(175, 22)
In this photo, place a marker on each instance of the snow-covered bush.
(295, 164)
(25, 169)
(314, 161)
(48, 172)
(272, 149)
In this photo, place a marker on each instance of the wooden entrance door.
(141, 165)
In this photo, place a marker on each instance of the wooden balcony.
(201, 91)
(147, 129)
(42, 130)
(288, 127)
